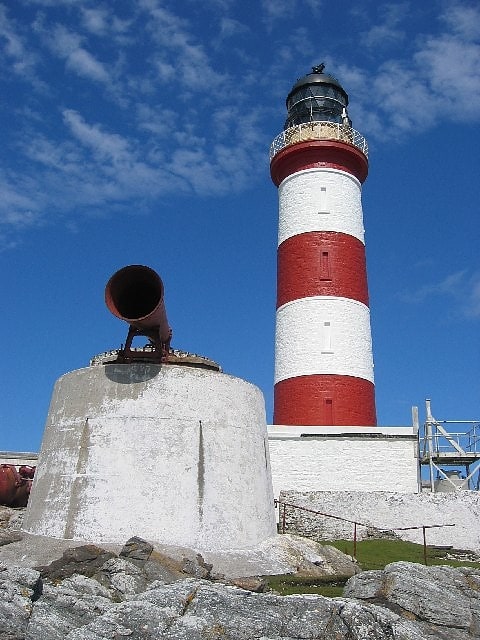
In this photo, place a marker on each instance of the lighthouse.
(323, 345)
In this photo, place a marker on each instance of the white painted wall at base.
(173, 454)
(343, 459)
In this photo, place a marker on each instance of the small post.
(355, 540)
(284, 517)
(424, 546)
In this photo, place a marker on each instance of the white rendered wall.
(173, 454)
(320, 200)
(343, 459)
(391, 510)
(304, 347)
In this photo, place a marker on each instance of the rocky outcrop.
(403, 602)
(19, 589)
(443, 601)
(90, 593)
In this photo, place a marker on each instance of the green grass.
(371, 554)
(331, 586)
(375, 554)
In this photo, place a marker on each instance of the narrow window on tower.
(328, 411)
(327, 338)
(323, 204)
(325, 266)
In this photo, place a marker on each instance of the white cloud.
(463, 20)
(22, 62)
(68, 46)
(449, 286)
(105, 145)
(472, 306)
(230, 28)
(95, 20)
(278, 9)
(452, 69)
(461, 289)
(388, 31)
(437, 77)
(189, 62)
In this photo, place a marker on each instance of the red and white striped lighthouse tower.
(323, 346)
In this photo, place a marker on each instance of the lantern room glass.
(316, 101)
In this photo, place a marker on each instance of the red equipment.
(15, 485)
(135, 294)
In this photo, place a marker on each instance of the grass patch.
(375, 554)
(288, 584)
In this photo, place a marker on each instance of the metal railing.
(283, 525)
(435, 437)
(318, 130)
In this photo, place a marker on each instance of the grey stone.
(137, 550)
(250, 583)
(11, 518)
(72, 603)
(122, 578)
(19, 587)
(7, 537)
(197, 568)
(196, 610)
(440, 596)
(85, 560)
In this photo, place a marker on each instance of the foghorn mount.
(135, 294)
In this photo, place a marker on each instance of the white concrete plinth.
(312, 458)
(172, 454)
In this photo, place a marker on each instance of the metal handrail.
(468, 440)
(318, 130)
(355, 523)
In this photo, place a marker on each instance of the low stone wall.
(380, 510)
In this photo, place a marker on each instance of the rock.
(84, 560)
(309, 558)
(11, 518)
(91, 594)
(137, 550)
(250, 583)
(197, 568)
(439, 596)
(161, 567)
(66, 606)
(19, 588)
(7, 537)
(195, 609)
(122, 578)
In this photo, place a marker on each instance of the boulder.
(440, 596)
(122, 578)
(72, 603)
(19, 588)
(137, 550)
(84, 560)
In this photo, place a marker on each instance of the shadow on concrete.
(132, 373)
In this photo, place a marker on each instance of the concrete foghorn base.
(173, 454)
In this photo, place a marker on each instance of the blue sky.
(138, 133)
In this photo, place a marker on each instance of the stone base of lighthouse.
(174, 454)
(312, 458)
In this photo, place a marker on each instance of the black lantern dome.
(317, 97)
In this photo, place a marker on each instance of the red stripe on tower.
(323, 346)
